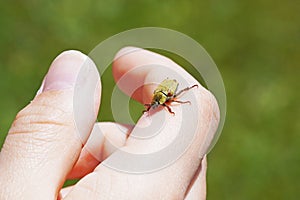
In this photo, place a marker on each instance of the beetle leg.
(169, 109)
(184, 90)
(181, 101)
(148, 108)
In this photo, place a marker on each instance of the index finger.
(193, 125)
(134, 69)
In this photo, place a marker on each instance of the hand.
(44, 147)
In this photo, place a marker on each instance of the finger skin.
(63, 192)
(172, 180)
(197, 189)
(43, 143)
(105, 139)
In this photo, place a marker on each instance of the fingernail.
(86, 96)
(64, 70)
(74, 70)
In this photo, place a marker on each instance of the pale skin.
(43, 149)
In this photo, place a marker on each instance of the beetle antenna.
(184, 90)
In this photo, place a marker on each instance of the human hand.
(44, 148)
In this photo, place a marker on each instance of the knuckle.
(44, 115)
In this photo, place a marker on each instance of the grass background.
(254, 43)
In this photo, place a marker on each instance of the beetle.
(165, 93)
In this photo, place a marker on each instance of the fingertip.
(64, 70)
(138, 71)
(70, 53)
(126, 50)
(119, 67)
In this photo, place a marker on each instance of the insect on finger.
(166, 93)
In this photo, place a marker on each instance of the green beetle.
(166, 93)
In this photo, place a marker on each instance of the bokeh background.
(254, 43)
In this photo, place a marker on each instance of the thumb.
(46, 137)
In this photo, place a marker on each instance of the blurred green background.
(254, 43)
